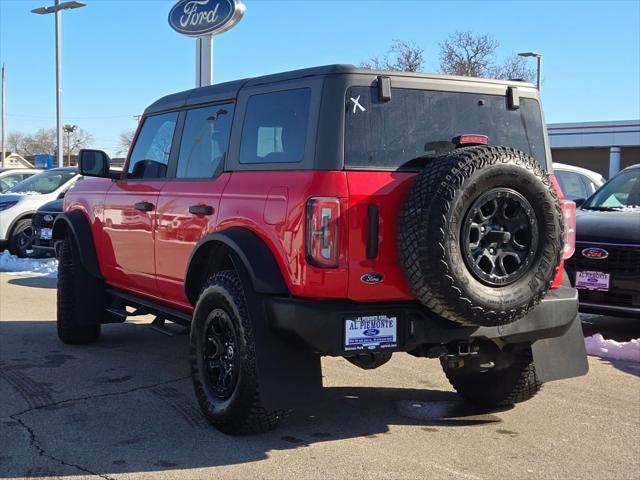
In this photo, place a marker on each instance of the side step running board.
(147, 306)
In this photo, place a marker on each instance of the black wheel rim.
(220, 354)
(25, 240)
(499, 236)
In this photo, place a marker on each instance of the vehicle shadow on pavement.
(34, 282)
(126, 405)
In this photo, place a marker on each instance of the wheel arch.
(235, 247)
(23, 216)
(74, 224)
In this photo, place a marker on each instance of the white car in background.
(577, 183)
(20, 202)
(9, 177)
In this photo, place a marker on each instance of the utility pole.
(3, 120)
(69, 129)
(56, 9)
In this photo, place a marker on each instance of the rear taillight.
(323, 231)
(568, 219)
(569, 236)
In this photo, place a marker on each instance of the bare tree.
(125, 139)
(78, 139)
(403, 56)
(473, 55)
(512, 68)
(466, 54)
(44, 141)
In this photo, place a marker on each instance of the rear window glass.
(423, 123)
(275, 127)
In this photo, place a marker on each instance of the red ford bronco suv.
(331, 211)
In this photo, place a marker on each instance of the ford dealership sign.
(205, 17)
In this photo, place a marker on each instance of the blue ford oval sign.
(205, 17)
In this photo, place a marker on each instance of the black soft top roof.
(229, 90)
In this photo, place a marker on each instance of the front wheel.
(73, 293)
(223, 359)
(21, 240)
(512, 378)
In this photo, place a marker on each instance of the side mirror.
(579, 202)
(94, 163)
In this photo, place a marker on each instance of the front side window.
(9, 181)
(45, 182)
(275, 127)
(205, 140)
(150, 155)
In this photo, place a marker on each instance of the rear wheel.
(512, 378)
(223, 359)
(21, 240)
(73, 325)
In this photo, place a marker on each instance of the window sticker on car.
(370, 332)
(356, 104)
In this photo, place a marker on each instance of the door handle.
(201, 209)
(143, 206)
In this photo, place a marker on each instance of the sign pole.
(204, 61)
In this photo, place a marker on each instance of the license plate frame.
(370, 332)
(46, 233)
(593, 280)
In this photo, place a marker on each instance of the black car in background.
(606, 265)
(42, 223)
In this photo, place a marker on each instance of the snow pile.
(28, 266)
(598, 346)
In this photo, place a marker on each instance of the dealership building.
(604, 147)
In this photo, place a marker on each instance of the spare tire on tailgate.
(480, 235)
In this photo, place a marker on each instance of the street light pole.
(69, 129)
(538, 57)
(57, 9)
(3, 119)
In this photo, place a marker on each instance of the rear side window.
(571, 184)
(205, 140)
(150, 154)
(421, 123)
(275, 127)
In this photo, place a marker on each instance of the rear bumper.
(320, 325)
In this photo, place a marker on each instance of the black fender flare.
(75, 225)
(245, 247)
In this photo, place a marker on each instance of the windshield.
(419, 124)
(622, 192)
(45, 182)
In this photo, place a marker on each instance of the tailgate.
(384, 191)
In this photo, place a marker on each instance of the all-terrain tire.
(72, 327)
(431, 233)
(19, 243)
(239, 411)
(497, 388)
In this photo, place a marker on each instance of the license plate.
(592, 281)
(370, 332)
(45, 234)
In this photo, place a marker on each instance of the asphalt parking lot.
(124, 408)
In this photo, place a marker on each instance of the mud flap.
(288, 376)
(561, 357)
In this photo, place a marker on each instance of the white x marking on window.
(356, 104)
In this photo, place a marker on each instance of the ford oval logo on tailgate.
(595, 253)
(372, 332)
(372, 278)
(205, 17)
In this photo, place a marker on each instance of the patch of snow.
(28, 266)
(610, 349)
